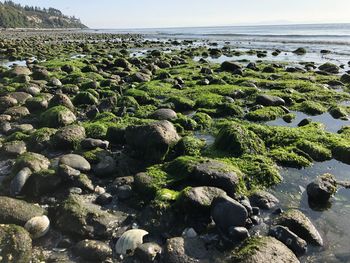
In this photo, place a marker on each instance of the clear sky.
(178, 13)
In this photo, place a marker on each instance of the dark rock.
(345, 78)
(300, 51)
(230, 66)
(68, 137)
(304, 122)
(291, 240)
(104, 199)
(124, 192)
(268, 100)
(329, 68)
(226, 213)
(90, 144)
(61, 100)
(148, 252)
(92, 250)
(106, 167)
(322, 188)
(19, 181)
(238, 233)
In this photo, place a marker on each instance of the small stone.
(38, 226)
(104, 199)
(92, 250)
(322, 188)
(75, 161)
(238, 233)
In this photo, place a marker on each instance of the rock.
(90, 144)
(55, 82)
(338, 112)
(345, 78)
(238, 140)
(322, 188)
(329, 68)
(33, 161)
(92, 250)
(291, 240)
(164, 114)
(129, 241)
(140, 77)
(20, 96)
(20, 70)
(15, 244)
(185, 250)
(76, 162)
(298, 223)
(300, 51)
(57, 116)
(68, 137)
(7, 102)
(36, 104)
(14, 211)
(263, 200)
(238, 233)
(304, 122)
(106, 167)
(77, 216)
(41, 183)
(104, 199)
(19, 181)
(148, 252)
(61, 100)
(152, 141)
(230, 66)
(267, 100)
(262, 250)
(13, 148)
(17, 112)
(226, 213)
(200, 198)
(124, 192)
(342, 153)
(85, 98)
(217, 174)
(38, 226)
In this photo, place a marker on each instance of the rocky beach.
(126, 148)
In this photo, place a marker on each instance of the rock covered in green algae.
(262, 250)
(33, 161)
(15, 244)
(57, 116)
(322, 188)
(14, 211)
(237, 140)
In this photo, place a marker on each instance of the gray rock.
(164, 114)
(329, 68)
(92, 250)
(17, 112)
(90, 144)
(19, 181)
(20, 96)
(298, 223)
(61, 100)
(33, 161)
(151, 142)
(148, 252)
(268, 250)
(230, 66)
(76, 162)
(18, 212)
(13, 148)
(106, 167)
(238, 233)
(7, 102)
(291, 240)
(227, 212)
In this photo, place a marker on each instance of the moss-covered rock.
(265, 114)
(57, 117)
(15, 244)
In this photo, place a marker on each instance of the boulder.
(57, 116)
(329, 68)
(164, 114)
(33, 161)
(268, 100)
(92, 250)
(322, 188)
(263, 199)
(68, 137)
(76, 162)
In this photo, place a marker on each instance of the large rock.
(268, 100)
(7, 102)
(218, 174)
(33, 161)
(230, 66)
(61, 100)
(15, 244)
(238, 140)
(76, 162)
(151, 142)
(329, 68)
(14, 211)
(57, 116)
(68, 137)
(227, 212)
(78, 216)
(298, 223)
(164, 114)
(262, 250)
(263, 199)
(20, 71)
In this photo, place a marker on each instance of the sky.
(183, 13)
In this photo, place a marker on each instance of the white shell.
(37, 226)
(130, 240)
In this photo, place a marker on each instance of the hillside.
(16, 16)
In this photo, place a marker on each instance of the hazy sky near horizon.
(178, 13)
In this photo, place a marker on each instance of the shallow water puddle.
(8, 64)
(333, 221)
(331, 124)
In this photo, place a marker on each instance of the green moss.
(237, 140)
(190, 146)
(316, 151)
(182, 103)
(141, 96)
(229, 109)
(94, 156)
(17, 136)
(97, 130)
(128, 101)
(247, 248)
(289, 158)
(265, 114)
(312, 108)
(203, 120)
(208, 100)
(40, 136)
(54, 116)
(85, 98)
(185, 122)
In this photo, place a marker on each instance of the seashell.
(19, 181)
(38, 226)
(130, 240)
